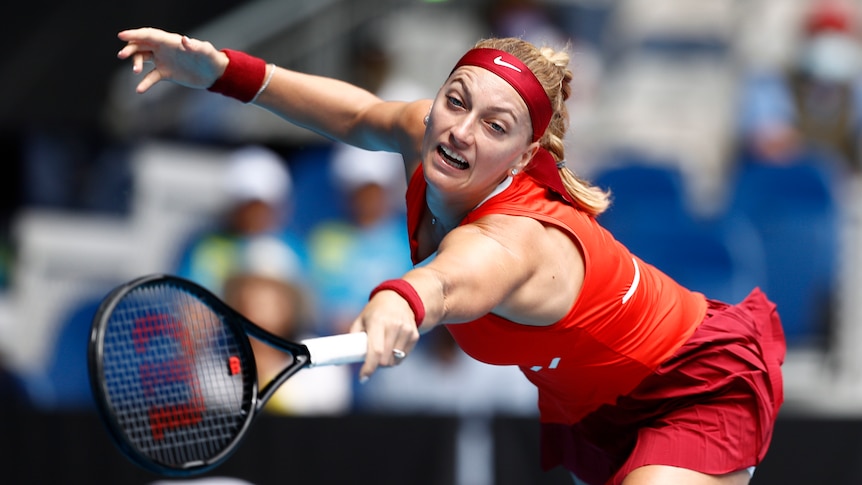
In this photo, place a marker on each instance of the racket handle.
(346, 348)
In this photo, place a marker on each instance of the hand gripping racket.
(174, 377)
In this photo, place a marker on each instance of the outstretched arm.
(498, 264)
(332, 108)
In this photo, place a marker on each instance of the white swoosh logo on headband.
(500, 62)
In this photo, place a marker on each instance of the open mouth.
(452, 159)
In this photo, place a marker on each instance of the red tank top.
(629, 317)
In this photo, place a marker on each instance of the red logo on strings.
(178, 371)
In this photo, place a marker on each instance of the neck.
(445, 215)
(442, 224)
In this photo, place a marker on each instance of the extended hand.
(176, 58)
(391, 329)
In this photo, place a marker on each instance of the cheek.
(497, 157)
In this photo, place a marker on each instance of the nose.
(462, 130)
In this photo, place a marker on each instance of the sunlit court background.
(727, 130)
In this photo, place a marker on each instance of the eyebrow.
(459, 79)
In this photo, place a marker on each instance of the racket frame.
(240, 326)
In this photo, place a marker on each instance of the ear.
(528, 155)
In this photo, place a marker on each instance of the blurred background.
(727, 130)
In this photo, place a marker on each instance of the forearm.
(488, 266)
(330, 107)
(449, 299)
(430, 290)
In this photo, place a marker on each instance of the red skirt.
(710, 408)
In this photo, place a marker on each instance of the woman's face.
(479, 129)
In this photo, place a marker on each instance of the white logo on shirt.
(635, 282)
(554, 363)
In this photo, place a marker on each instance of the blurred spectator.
(798, 126)
(267, 290)
(812, 108)
(258, 184)
(350, 256)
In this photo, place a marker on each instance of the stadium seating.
(796, 213)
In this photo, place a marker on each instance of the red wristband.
(242, 78)
(406, 291)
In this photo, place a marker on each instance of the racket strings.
(175, 375)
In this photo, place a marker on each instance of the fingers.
(148, 81)
(147, 40)
(135, 42)
(187, 43)
(129, 50)
(138, 63)
(386, 351)
(367, 369)
(390, 325)
(371, 358)
(148, 35)
(139, 47)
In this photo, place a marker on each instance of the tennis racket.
(174, 377)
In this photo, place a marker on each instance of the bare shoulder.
(526, 232)
(552, 262)
(544, 246)
(410, 127)
(525, 271)
(513, 243)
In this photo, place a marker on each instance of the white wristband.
(271, 68)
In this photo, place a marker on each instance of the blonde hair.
(550, 67)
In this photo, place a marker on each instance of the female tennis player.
(641, 381)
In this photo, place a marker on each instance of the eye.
(497, 127)
(455, 101)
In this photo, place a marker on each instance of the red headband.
(517, 74)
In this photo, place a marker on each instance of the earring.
(514, 171)
(427, 119)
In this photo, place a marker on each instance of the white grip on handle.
(346, 348)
